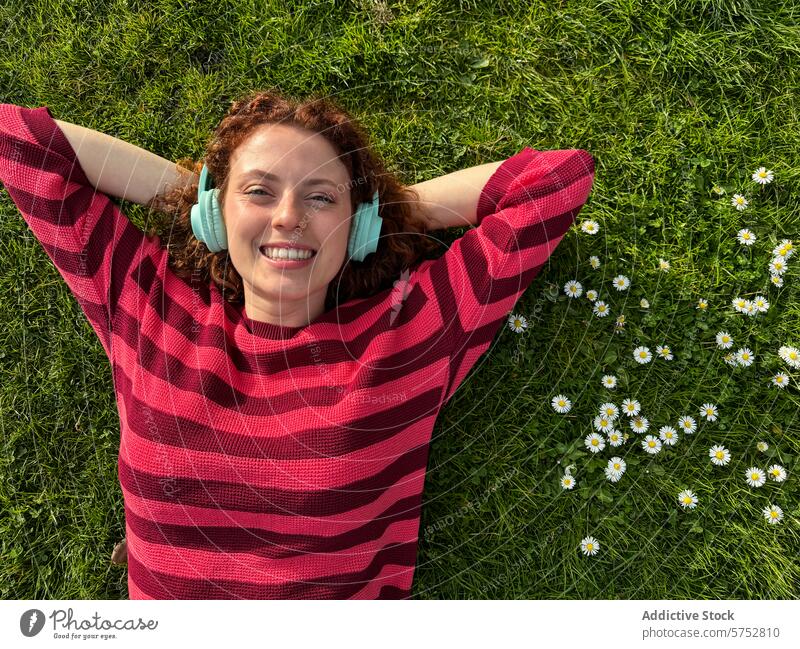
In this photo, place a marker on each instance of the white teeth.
(287, 253)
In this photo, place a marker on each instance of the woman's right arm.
(121, 169)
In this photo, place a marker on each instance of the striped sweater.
(262, 461)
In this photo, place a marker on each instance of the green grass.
(670, 97)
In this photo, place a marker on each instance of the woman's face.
(286, 186)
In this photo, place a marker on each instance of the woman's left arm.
(451, 201)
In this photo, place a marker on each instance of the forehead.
(291, 152)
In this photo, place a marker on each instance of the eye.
(327, 199)
(253, 191)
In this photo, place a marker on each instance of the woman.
(275, 416)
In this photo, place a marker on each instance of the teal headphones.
(207, 225)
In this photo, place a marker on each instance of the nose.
(289, 213)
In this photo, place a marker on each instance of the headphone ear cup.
(214, 210)
(355, 229)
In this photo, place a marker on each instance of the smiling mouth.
(287, 254)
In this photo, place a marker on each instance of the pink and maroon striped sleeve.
(524, 211)
(80, 228)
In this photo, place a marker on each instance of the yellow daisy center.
(793, 355)
(595, 442)
(745, 356)
(617, 465)
(517, 322)
(651, 444)
(720, 455)
(687, 499)
(774, 514)
(754, 476)
(643, 354)
(561, 402)
(779, 379)
(763, 174)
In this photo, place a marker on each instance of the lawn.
(679, 102)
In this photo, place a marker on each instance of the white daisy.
(730, 359)
(760, 303)
(755, 476)
(709, 411)
(642, 355)
(663, 264)
(773, 514)
(609, 410)
(777, 473)
(778, 265)
(668, 435)
(762, 176)
(631, 407)
(594, 262)
(724, 340)
(644, 304)
(621, 282)
(573, 288)
(751, 309)
(762, 446)
(517, 323)
(651, 444)
(790, 355)
(639, 424)
(744, 357)
(614, 437)
(591, 295)
(746, 237)
(590, 546)
(617, 464)
(609, 381)
(619, 325)
(777, 280)
(702, 304)
(719, 455)
(687, 499)
(603, 423)
(740, 304)
(687, 424)
(781, 379)
(568, 482)
(664, 352)
(739, 202)
(784, 249)
(561, 404)
(594, 442)
(590, 227)
(601, 309)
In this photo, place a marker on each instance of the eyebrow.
(265, 175)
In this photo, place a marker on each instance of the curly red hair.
(403, 241)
